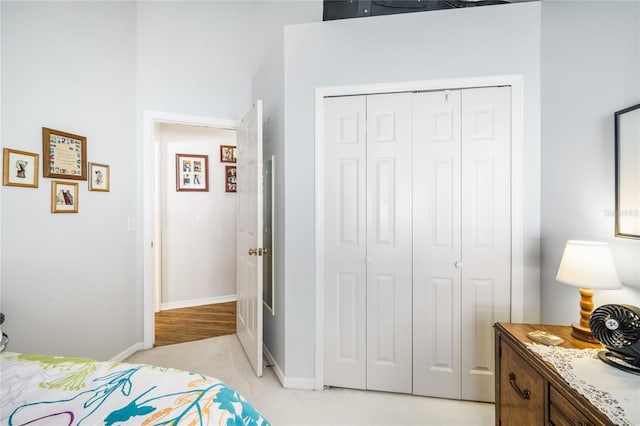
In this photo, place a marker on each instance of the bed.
(38, 389)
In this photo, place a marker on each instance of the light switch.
(131, 224)
(199, 218)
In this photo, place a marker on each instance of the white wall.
(73, 284)
(590, 69)
(488, 40)
(69, 280)
(198, 228)
(198, 57)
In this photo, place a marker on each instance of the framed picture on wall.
(64, 197)
(20, 168)
(99, 177)
(64, 155)
(192, 172)
(227, 154)
(230, 180)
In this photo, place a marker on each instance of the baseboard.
(299, 383)
(128, 352)
(288, 382)
(274, 365)
(198, 302)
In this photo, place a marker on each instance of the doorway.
(183, 325)
(155, 187)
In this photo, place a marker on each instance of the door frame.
(151, 211)
(517, 184)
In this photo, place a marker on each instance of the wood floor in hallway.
(195, 323)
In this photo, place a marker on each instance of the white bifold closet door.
(368, 242)
(462, 239)
(417, 250)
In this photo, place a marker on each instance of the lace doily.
(612, 391)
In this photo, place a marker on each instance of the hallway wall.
(198, 228)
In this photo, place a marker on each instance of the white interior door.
(437, 244)
(367, 221)
(249, 235)
(486, 233)
(345, 242)
(417, 214)
(389, 236)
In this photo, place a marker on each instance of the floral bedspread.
(37, 389)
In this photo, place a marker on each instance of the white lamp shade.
(588, 264)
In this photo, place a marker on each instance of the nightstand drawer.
(550, 399)
(562, 412)
(522, 398)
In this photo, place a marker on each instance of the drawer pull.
(524, 394)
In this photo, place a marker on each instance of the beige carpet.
(222, 357)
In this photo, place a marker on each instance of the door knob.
(458, 264)
(258, 251)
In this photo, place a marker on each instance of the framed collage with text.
(64, 155)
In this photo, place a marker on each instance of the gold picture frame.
(20, 168)
(64, 155)
(99, 179)
(192, 172)
(64, 197)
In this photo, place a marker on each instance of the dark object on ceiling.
(342, 9)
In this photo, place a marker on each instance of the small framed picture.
(64, 155)
(192, 172)
(98, 177)
(20, 168)
(64, 197)
(227, 154)
(230, 181)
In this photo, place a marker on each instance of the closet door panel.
(389, 235)
(345, 242)
(436, 244)
(486, 232)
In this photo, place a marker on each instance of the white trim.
(287, 382)
(517, 202)
(274, 364)
(128, 352)
(198, 302)
(517, 184)
(299, 383)
(319, 192)
(149, 202)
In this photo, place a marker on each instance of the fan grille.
(616, 325)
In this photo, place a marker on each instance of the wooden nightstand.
(530, 391)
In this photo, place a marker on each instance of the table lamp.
(588, 265)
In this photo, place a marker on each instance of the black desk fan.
(618, 328)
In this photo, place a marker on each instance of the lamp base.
(582, 333)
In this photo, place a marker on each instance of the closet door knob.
(458, 265)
